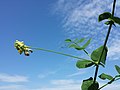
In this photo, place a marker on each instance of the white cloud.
(114, 50)
(77, 73)
(12, 87)
(63, 85)
(80, 19)
(41, 76)
(58, 85)
(113, 86)
(17, 87)
(48, 73)
(62, 82)
(75, 85)
(79, 15)
(12, 78)
(118, 2)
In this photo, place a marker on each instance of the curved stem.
(103, 86)
(56, 52)
(83, 49)
(109, 83)
(109, 29)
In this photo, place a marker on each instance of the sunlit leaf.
(84, 63)
(76, 47)
(88, 84)
(80, 40)
(110, 22)
(86, 44)
(117, 68)
(96, 54)
(104, 16)
(73, 46)
(105, 76)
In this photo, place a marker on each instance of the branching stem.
(109, 29)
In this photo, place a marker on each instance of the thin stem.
(109, 29)
(56, 52)
(109, 83)
(86, 52)
(83, 49)
(103, 86)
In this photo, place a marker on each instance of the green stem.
(109, 29)
(103, 86)
(109, 83)
(86, 52)
(83, 49)
(56, 52)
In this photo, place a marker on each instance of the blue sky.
(46, 24)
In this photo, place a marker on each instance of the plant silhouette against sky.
(97, 58)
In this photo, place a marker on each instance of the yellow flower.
(21, 47)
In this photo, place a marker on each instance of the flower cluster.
(21, 47)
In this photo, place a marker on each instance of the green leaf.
(107, 23)
(110, 22)
(80, 40)
(105, 76)
(73, 46)
(115, 19)
(84, 63)
(104, 16)
(86, 44)
(117, 68)
(95, 56)
(68, 40)
(79, 48)
(76, 47)
(88, 84)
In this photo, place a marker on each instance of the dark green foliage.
(104, 16)
(115, 20)
(68, 40)
(117, 68)
(104, 76)
(88, 84)
(84, 63)
(96, 54)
